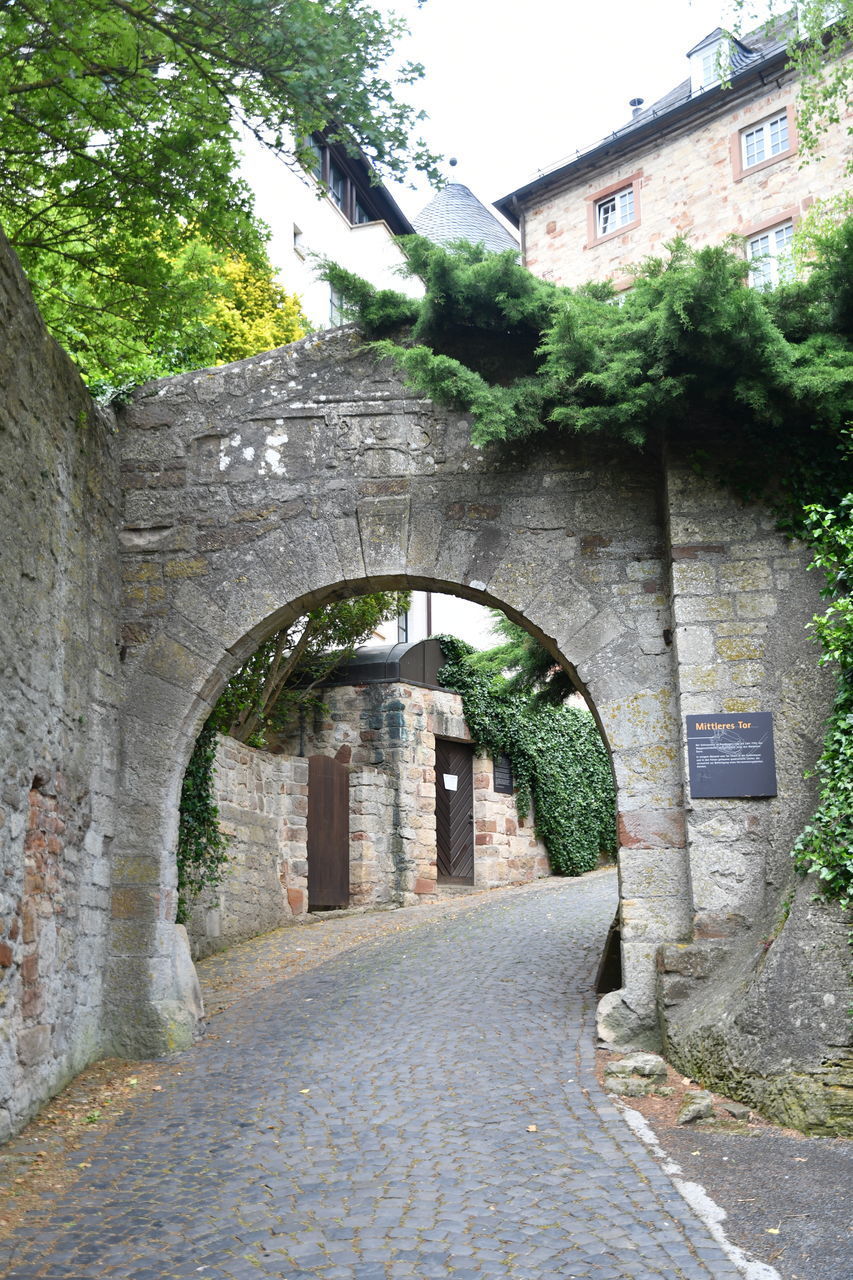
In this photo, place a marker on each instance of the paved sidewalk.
(422, 1106)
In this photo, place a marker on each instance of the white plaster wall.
(286, 199)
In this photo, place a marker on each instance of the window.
(337, 185)
(315, 165)
(708, 62)
(770, 257)
(761, 144)
(360, 214)
(336, 307)
(403, 628)
(502, 772)
(709, 67)
(614, 211)
(341, 179)
(764, 141)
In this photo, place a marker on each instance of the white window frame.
(770, 250)
(762, 134)
(622, 205)
(707, 64)
(337, 305)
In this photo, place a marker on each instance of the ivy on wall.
(826, 845)
(766, 378)
(202, 848)
(559, 762)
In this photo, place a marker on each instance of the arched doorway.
(159, 736)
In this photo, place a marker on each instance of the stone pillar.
(740, 604)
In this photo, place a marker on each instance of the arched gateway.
(255, 491)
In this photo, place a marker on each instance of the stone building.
(707, 161)
(425, 811)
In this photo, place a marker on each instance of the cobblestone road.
(423, 1106)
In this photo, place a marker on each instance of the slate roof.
(455, 213)
(751, 56)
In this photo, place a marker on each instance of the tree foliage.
(559, 763)
(120, 124)
(202, 848)
(820, 35)
(826, 845)
(766, 378)
(284, 675)
(689, 336)
(212, 308)
(519, 664)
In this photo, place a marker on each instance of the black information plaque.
(731, 755)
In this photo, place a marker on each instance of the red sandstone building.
(707, 161)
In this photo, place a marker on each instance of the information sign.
(731, 755)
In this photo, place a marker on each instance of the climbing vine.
(559, 763)
(826, 845)
(202, 848)
(765, 379)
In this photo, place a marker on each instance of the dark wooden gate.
(328, 834)
(454, 811)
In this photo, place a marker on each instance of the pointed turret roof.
(455, 213)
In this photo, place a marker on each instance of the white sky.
(513, 87)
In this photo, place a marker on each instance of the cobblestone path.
(423, 1106)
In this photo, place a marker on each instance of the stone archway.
(258, 490)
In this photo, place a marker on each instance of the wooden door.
(454, 811)
(328, 834)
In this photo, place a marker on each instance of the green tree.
(208, 308)
(283, 676)
(120, 119)
(519, 664)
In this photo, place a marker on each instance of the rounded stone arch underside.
(261, 489)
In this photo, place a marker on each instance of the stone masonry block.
(704, 609)
(745, 575)
(649, 829)
(653, 873)
(694, 645)
(694, 578)
(663, 919)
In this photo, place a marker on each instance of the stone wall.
(386, 733)
(265, 488)
(263, 807)
(59, 608)
(374, 837)
(757, 1005)
(258, 490)
(686, 182)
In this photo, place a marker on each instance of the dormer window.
(709, 61)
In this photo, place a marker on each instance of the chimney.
(636, 104)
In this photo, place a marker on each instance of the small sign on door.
(451, 781)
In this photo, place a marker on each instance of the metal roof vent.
(636, 105)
